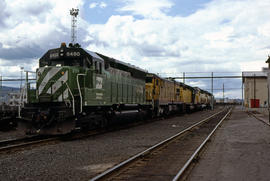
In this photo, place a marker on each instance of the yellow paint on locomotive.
(187, 95)
(203, 98)
(152, 87)
(166, 92)
(178, 92)
(197, 97)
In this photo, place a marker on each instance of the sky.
(166, 37)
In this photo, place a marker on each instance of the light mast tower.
(74, 13)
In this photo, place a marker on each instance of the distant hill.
(4, 92)
(9, 89)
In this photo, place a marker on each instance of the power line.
(225, 89)
(201, 73)
(208, 77)
(14, 80)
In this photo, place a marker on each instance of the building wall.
(260, 91)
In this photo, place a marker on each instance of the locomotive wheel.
(104, 122)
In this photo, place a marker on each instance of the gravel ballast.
(13, 133)
(83, 159)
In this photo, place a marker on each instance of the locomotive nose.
(41, 116)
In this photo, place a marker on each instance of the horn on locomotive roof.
(76, 45)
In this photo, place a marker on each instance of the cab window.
(100, 67)
(87, 63)
(96, 67)
(148, 79)
(177, 91)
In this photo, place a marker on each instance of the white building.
(255, 89)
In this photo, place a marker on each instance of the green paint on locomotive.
(100, 86)
(110, 88)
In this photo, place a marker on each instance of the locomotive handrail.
(73, 101)
(21, 103)
(80, 93)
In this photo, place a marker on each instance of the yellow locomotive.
(168, 95)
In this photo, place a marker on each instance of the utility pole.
(21, 78)
(1, 90)
(242, 91)
(183, 77)
(212, 90)
(74, 13)
(268, 93)
(223, 93)
(254, 88)
(268, 82)
(27, 86)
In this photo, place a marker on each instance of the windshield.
(148, 79)
(61, 62)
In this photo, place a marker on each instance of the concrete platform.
(262, 117)
(240, 150)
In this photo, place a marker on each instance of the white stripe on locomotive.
(40, 71)
(58, 83)
(49, 75)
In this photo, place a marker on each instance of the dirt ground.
(240, 150)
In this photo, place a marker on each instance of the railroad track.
(28, 142)
(17, 144)
(11, 145)
(169, 159)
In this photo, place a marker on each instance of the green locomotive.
(77, 89)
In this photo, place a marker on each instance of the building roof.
(255, 74)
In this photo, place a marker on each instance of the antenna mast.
(74, 13)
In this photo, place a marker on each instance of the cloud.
(29, 51)
(29, 29)
(149, 8)
(222, 36)
(3, 13)
(103, 5)
(95, 4)
(201, 36)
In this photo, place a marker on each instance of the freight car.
(8, 117)
(79, 89)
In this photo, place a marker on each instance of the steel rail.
(23, 139)
(145, 152)
(182, 170)
(10, 141)
(10, 144)
(28, 143)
